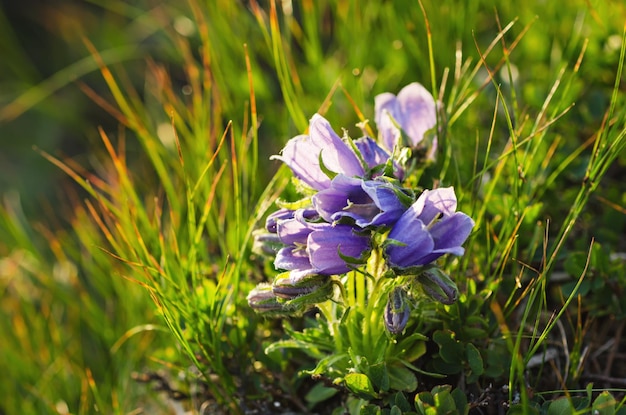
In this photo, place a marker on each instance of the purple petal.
(324, 245)
(417, 111)
(386, 200)
(373, 154)
(437, 202)
(414, 110)
(291, 258)
(342, 191)
(451, 232)
(274, 218)
(338, 157)
(430, 228)
(302, 154)
(384, 102)
(292, 231)
(390, 134)
(417, 240)
(296, 229)
(368, 202)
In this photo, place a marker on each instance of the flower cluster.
(356, 200)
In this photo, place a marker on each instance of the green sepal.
(298, 204)
(285, 287)
(356, 151)
(329, 173)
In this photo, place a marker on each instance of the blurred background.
(45, 60)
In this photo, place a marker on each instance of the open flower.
(303, 154)
(337, 249)
(368, 202)
(430, 228)
(413, 110)
(313, 247)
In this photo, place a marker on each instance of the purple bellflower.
(430, 228)
(413, 110)
(368, 202)
(316, 247)
(303, 153)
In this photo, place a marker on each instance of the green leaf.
(380, 377)
(320, 393)
(450, 349)
(447, 368)
(460, 401)
(360, 385)
(401, 402)
(425, 403)
(443, 400)
(561, 406)
(381, 348)
(370, 409)
(604, 404)
(359, 362)
(475, 361)
(401, 379)
(439, 401)
(324, 364)
(410, 348)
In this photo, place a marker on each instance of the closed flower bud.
(439, 286)
(290, 285)
(266, 244)
(397, 311)
(264, 301)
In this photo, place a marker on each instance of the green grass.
(133, 254)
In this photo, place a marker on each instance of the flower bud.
(291, 285)
(439, 286)
(397, 311)
(264, 301)
(266, 244)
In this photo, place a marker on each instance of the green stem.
(328, 310)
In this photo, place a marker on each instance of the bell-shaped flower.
(368, 202)
(413, 110)
(313, 247)
(337, 249)
(294, 229)
(272, 220)
(303, 154)
(430, 228)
